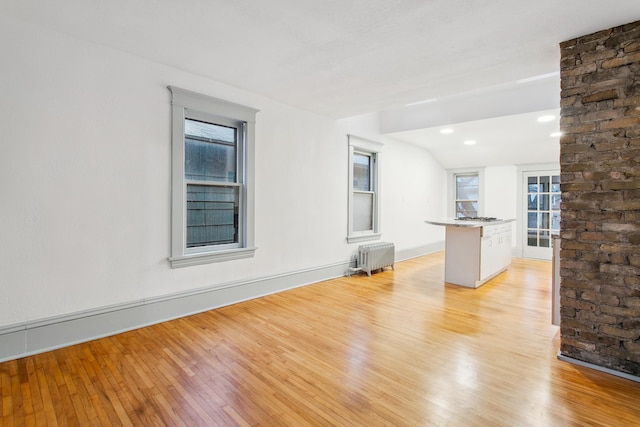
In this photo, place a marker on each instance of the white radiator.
(374, 256)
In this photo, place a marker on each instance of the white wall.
(500, 195)
(85, 181)
(412, 186)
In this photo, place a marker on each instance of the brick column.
(600, 182)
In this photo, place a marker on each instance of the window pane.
(532, 183)
(532, 220)
(532, 202)
(466, 187)
(361, 172)
(555, 202)
(555, 221)
(209, 131)
(544, 202)
(210, 152)
(555, 184)
(544, 220)
(212, 215)
(532, 238)
(362, 211)
(466, 209)
(544, 184)
(545, 241)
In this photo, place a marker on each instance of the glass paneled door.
(542, 212)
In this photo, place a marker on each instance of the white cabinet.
(495, 250)
(489, 256)
(473, 255)
(462, 256)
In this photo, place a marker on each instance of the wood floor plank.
(25, 391)
(17, 410)
(398, 348)
(8, 398)
(35, 393)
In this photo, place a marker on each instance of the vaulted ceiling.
(349, 57)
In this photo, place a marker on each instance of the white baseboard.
(598, 368)
(48, 334)
(56, 332)
(417, 251)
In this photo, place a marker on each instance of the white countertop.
(451, 222)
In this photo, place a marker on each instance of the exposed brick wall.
(600, 175)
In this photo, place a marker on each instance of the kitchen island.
(475, 249)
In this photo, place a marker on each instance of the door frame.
(521, 219)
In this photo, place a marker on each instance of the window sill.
(211, 257)
(364, 238)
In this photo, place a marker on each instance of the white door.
(541, 212)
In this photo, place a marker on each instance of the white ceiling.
(516, 139)
(339, 57)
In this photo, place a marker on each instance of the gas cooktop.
(477, 218)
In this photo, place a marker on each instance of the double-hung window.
(465, 193)
(364, 194)
(212, 179)
(211, 173)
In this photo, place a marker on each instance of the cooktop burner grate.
(477, 218)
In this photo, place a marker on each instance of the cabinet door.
(495, 250)
(489, 256)
(506, 247)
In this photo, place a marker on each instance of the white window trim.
(191, 104)
(358, 144)
(451, 189)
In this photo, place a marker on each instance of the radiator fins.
(375, 256)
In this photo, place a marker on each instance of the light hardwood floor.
(400, 348)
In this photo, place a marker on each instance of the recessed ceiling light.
(469, 142)
(547, 118)
(556, 134)
(446, 131)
